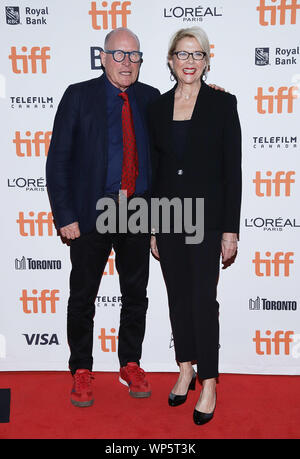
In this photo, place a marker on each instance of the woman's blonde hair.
(199, 35)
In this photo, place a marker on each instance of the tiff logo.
(273, 186)
(280, 259)
(111, 339)
(32, 145)
(264, 345)
(35, 225)
(110, 265)
(283, 94)
(35, 304)
(270, 11)
(116, 9)
(36, 54)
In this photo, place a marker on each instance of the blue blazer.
(77, 158)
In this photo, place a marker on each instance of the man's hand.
(217, 88)
(70, 231)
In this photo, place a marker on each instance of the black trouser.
(191, 275)
(89, 254)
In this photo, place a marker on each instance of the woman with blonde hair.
(196, 153)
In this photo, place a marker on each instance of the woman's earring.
(172, 78)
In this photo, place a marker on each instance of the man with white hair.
(100, 147)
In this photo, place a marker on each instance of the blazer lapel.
(200, 119)
(100, 111)
(166, 120)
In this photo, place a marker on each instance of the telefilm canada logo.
(108, 301)
(191, 14)
(31, 16)
(31, 102)
(275, 142)
(278, 56)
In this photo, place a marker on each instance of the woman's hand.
(153, 246)
(228, 246)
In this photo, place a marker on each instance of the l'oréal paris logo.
(192, 14)
(272, 224)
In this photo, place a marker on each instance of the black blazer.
(212, 157)
(77, 158)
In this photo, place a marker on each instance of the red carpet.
(249, 407)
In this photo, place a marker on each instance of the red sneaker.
(134, 377)
(81, 394)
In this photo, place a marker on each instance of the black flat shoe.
(202, 418)
(176, 400)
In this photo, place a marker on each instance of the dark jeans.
(89, 254)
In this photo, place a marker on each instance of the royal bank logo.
(31, 16)
(278, 56)
(262, 56)
(12, 14)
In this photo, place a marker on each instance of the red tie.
(130, 157)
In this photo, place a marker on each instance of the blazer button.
(179, 172)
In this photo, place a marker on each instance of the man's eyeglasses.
(184, 55)
(119, 55)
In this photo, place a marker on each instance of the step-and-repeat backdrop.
(255, 50)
